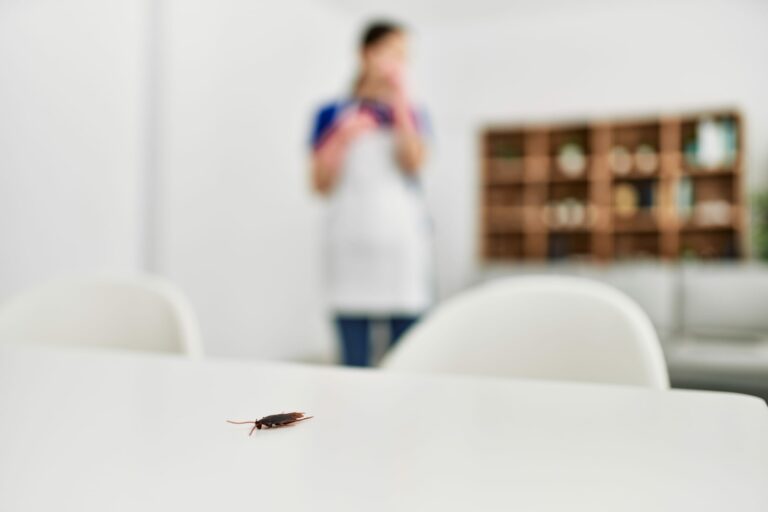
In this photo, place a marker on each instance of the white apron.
(378, 233)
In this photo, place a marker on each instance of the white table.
(115, 431)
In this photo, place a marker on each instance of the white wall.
(71, 82)
(242, 229)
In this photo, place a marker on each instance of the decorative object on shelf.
(571, 160)
(712, 212)
(690, 149)
(715, 145)
(759, 223)
(731, 141)
(558, 247)
(625, 200)
(620, 160)
(578, 213)
(646, 159)
(646, 193)
(685, 197)
(567, 213)
(711, 149)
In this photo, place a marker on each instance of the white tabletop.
(115, 431)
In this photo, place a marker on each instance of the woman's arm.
(411, 151)
(326, 161)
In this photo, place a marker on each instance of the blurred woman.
(368, 151)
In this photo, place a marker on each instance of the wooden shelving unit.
(614, 190)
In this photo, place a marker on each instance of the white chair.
(540, 327)
(144, 313)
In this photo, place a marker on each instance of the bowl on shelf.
(620, 160)
(571, 160)
(646, 159)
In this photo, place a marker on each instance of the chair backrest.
(143, 313)
(541, 327)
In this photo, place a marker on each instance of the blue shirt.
(327, 117)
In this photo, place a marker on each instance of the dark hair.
(378, 30)
(374, 33)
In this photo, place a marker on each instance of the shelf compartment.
(696, 220)
(631, 136)
(708, 188)
(506, 170)
(504, 247)
(504, 195)
(629, 246)
(505, 144)
(726, 131)
(643, 221)
(504, 219)
(569, 245)
(710, 245)
(561, 190)
(577, 134)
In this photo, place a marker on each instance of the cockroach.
(284, 419)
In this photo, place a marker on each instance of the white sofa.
(712, 319)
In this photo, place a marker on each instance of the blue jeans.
(355, 335)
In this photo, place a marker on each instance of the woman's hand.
(354, 124)
(395, 76)
(411, 152)
(326, 161)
